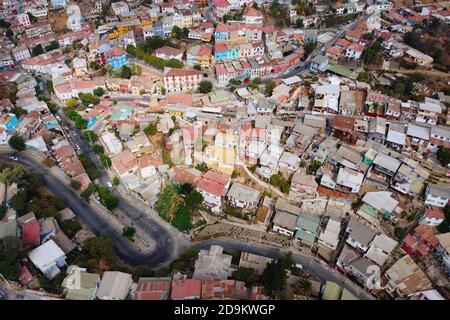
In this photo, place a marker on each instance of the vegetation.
(205, 86)
(18, 111)
(70, 227)
(180, 33)
(115, 181)
(128, 232)
(309, 48)
(142, 271)
(88, 98)
(445, 225)
(37, 50)
(79, 122)
(248, 275)
(109, 200)
(17, 142)
(89, 166)
(151, 129)
(91, 136)
(268, 88)
(313, 167)
(202, 167)
(373, 54)
(278, 181)
(105, 160)
(86, 193)
(11, 252)
(99, 91)
(98, 149)
(443, 156)
(74, 184)
(274, 277)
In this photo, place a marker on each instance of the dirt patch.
(58, 20)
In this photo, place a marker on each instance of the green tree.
(303, 287)
(248, 275)
(443, 156)
(115, 181)
(12, 174)
(71, 103)
(88, 98)
(11, 251)
(174, 63)
(128, 232)
(19, 202)
(86, 193)
(37, 50)
(194, 200)
(274, 277)
(150, 130)
(197, 67)
(17, 142)
(90, 136)
(52, 46)
(74, 184)
(101, 248)
(70, 227)
(142, 271)
(105, 160)
(268, 88)
(309, 48)
(99, 91)
(205, 86)
(125, 73)
(299, 23)
(98, 149)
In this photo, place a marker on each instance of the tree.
(150, 130)
(52, 46)
(98, 149)
(303, 287)
(105, 160)
(74, 184)
(174, 63)
(299, 23)
(81, 123)
(205, 86)
(101, 248)
(248, 275)
(88, 191)
(18, 111)
(309, 48)
(443, 156)
(32, 17)
(91, 136)
(274, 277)
(12, 174)
(287, 261)
(70, 227)
(194, 200)
(99, 91)
(88, 98)
(411, 38)
(17, 142)
(268, 88)
(142, 271)
(125, 73)
(37, 50)
(71, 103)
(10, 253)
(9, 33)
(115, 181)
(48, 162)
(197, 67)
(163, 91)
(128, 232)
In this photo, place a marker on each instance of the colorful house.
(9, 122)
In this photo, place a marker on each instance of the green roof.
(332, 291)
(89, 280)
(80, 294)
(369, 210)
(121, 113)
(308, 222)
(347, 295)
(218, 96)
(305, 237)
(8, 229)
(339, 70)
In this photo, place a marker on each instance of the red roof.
(221, 3)
(252, 12)
(217, 177)
(186, 289)
(25, 276)
(343, 123)
(435, 212)
(30, 232)
(152, 289)
(182, 72)
(223, 289)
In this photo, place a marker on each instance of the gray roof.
(387, 162)
(360, 232)
(420, 132)
(440, 191)
(114, 285)
(243, 193)
(284, 205)
(319, 59)
(364, 266)
(285, 220)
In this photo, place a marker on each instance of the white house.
(48, 258)
(437, 196)
(359, 235)
(243, 197)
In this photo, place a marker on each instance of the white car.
(13, 158)
(109, 184)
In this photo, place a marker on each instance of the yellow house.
(221, 159)
(187, 19)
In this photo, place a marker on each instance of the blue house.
(59, 3)
(117, 58)
(9, 122)
(158, 29)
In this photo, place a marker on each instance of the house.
(289, 161)
(359, 235)
(80, 284)
(243, 197)
(421, 241)
(432, 216)
(212, 264)
(181, 79)
(348, 180)
(223, 289)
(440, 136)
(185, 289)
(383, 169)
(326, 99)
(30, 229)
(213, 186)
(330, 236)
(379, 203)
(284, 223)
(380, 249)
(429, 111)
(442, 251)
(21, 53)
(253, 261)
(405, 278)
(124, 163)
(252, 16)
(48, 258)
(168, 53)
(119, 7)
(365, 272)
(377, 129)
(153, 288)
(319, 64)
(307, 227)
(303, 183)
(115, 285)
(343, 128)
(181, 175)
(437, 195)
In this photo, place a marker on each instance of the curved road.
(164, 250)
